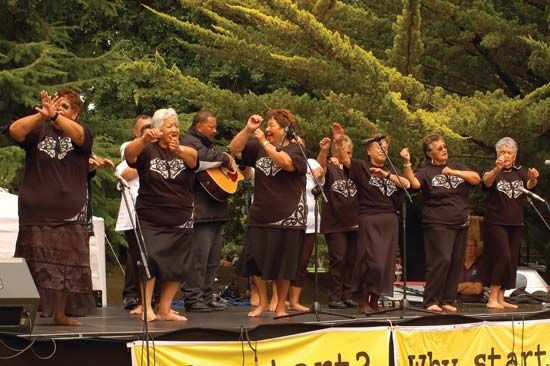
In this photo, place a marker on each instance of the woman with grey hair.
(503, 220)
(164, 207)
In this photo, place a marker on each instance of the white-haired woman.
(503, 220)
(164, 207)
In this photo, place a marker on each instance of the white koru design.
(448, 182)
(56, 148)
(346, 188)
(81, 216)
(298, 217)
(511, 189)
(267, 166)
(188, 224)
(168, 169)
(386, 186)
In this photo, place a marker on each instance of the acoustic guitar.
(220, 182)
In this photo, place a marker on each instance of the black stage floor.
(115, 322)
(102, 338)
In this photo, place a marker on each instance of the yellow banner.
(484, 344)
(333, 346)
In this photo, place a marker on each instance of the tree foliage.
(474, 70)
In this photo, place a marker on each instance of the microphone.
(547, 162)
(531, 194)
(122, 181)
(375, 138)
(287, 133)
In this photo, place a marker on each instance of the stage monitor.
(19, 297)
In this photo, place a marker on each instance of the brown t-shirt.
(505, 203)
(376, 195)
(165, 196)
(446, 198)
(54, 187)
(279, 196)
(340, 213)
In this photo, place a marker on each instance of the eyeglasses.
(440, 148)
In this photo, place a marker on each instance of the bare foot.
(151, 316)
(257, 311)
(281, 313)
(272, 304)
(171, 316)
(507, 305)
(299, 307)
(137, 310)
(449, 308)
(494, 305)
(434, 307)
(365, 309)
(65, 320)
(254, 299)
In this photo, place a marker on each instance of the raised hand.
(254, 122)
(260, 135)
(405, 155)
(533, 174)
(334, 161)
(151, 135)
(338, 133)
(324, 144)
(174, 145)
(47, 110)
(499, 163)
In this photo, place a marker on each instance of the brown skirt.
(59, 261)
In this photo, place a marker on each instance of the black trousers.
(501, 255)
(342, 254)
(131, 278)
(445, 250)
(309, 242)
(206, 248)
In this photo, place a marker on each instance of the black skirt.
(59, 261)
(377, 241)
(169, 253)
(273, 254)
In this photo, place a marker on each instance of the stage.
(103, 338)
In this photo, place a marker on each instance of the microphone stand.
(404, 302)
(317, 191)
(530, 200)
(142, 264)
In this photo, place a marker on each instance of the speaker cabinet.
(19, 297)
